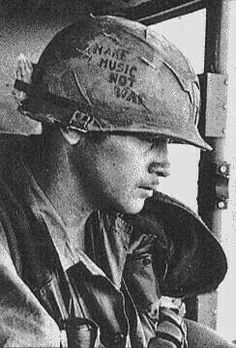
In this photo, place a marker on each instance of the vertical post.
(216, 61)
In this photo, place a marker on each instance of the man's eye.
(152, 144)
(160, 142)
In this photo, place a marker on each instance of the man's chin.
(131, 208)
(134, 208)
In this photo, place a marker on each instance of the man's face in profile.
(122, 171)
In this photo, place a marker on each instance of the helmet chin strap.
(60, 110)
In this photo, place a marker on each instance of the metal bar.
(216, 61)
(175, 11)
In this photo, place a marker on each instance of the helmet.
(109, 74)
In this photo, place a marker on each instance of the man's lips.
(146, 192)
(149, 189)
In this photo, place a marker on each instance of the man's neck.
(51, 169)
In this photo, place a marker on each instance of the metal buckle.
(79, 121)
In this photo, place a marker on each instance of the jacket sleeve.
(23, 321)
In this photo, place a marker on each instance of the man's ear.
(72, 137)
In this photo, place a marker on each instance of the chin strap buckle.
(79, 121)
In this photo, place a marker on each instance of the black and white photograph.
(117, 174)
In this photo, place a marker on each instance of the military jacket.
(109, 295)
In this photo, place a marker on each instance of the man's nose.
(160, 168)
(160, 162)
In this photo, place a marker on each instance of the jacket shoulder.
(11, 218)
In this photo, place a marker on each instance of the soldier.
(88, 245)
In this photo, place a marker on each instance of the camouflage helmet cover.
(119, 77)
